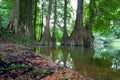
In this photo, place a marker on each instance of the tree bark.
(54, 26)
(35, 14)
(76, 37)
(41, 22)
(14, 17)
(29, 18)
(65, 34)
(46, 38)
(89, 39)
(26, 18)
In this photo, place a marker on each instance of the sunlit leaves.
(101, 24)
(106, 11)
(5, 7)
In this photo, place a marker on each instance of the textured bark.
(31, 26)
(41, 17)
(89, 39)
(54, 27)
(65, 34)
(26, 17)
(14, 16)
(0, 20)
(76, 37)
(35, 14)
(46, 38)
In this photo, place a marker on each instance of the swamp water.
(99, 63)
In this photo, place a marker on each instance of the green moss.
(13, 67)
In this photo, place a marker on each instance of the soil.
(17, 62)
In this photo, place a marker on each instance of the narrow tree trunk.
(65, 34)
(55, 18)
(41, 22)
(0, 23)
(35, 16)
(46, 38)
(27, 32)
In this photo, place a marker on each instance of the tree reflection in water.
(98, 63)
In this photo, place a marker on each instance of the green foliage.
(5, 7)
(19, 39)
(59, 35)
(104, 62)
(38, 26)
(106, 56)
(101, 25)
(37, 50)
(116, 28)
(86, 13)
(14, 67)
(105, 13)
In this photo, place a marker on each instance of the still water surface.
(99, 63)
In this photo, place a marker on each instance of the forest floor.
(18, 63)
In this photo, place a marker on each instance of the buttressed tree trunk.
(65, 34)
(76, 37)
(14, 17)
(54, 26)
(46, 38)
(88, 40)
(25, 18)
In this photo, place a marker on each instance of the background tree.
(76, 37)
(35, 17)
(26, 18)
(42, 17)
(88, 40)
(12, 24)
(46, 38)
(5, 7)
(54, 25)
(65, 34)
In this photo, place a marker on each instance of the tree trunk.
(21, 17)
(14, 17)
(46, 38)
(42, 13)
(55, 18)
(65, 34)
(89, 39)
(35, 14)
(76, 37)
(25, 18)
(30, 29)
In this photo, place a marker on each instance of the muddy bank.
(18, 63)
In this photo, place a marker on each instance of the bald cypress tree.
(76, 37)
(46, 37)
(65, 34)
(12, 24)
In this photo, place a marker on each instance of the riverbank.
(17, 62)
